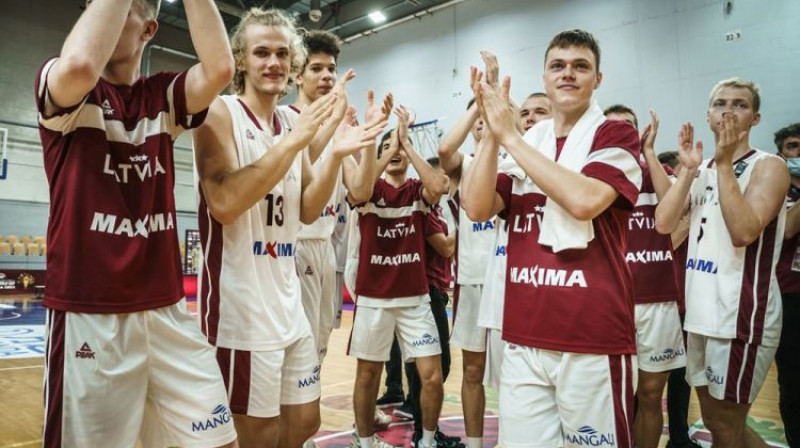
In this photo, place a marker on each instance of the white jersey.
(323, 227)
(475, 242)
(341, 235)
(731, 292)
(249, 292)
(490, 314)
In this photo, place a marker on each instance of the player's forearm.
(434, 182)
(322, 137)
(231, 195)
(210, 41)
(317, 193)
(91, 42)
(361, 180)
(672, 206)
(681, 233)
(576, 193)
(479, 188)
(743, 225)
(658, 175)
(449, 157)
(441, 244)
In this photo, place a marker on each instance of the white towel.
(560, 230)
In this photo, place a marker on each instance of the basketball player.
(569, 368)
(735, 202)
(256, 186)
(391, 226)
(316, 260)
(787, 141)
(117, 324)
(475, 240)
(534, 109)
(659, 339)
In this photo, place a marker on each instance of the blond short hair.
(273, 18)
(738, 83)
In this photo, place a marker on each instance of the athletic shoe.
(390, 400)
(382, 420)
(377, 442)
(440, 440)
(404, 411)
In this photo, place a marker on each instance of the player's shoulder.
(616, 134)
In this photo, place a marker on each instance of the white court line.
(350, 431)
(20, 368)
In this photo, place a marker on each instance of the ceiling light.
(171, 1)
(377, 17)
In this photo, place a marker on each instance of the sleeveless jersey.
(249, 292)
(731, 292)
(490, 314)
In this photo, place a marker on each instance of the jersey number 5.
(274, 209)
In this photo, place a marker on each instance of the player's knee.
(431, 377)
(473, 374)
(367, 375)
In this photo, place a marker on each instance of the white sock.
(427, 437)
(366, 442)
(474, 442)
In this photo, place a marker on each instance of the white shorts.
(659, 338)
(374, 330)
(557, 399)
(732, 369)
(467, 335)
(316, 267)
(111, 379)
(258, 383)
(494, 358)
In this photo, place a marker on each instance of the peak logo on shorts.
(667, 355)
(310, 380)
(538, 276)
(697, 264)
(274, 249)
(648, 256)
(426, 339)
(588, 436)
(220, 415)
(482, 226)
(85, 352)
(713, 377)
(396, 260)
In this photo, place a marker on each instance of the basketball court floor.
(21, 365)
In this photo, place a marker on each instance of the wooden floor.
(21, 394)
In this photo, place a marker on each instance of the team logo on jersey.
(648, 256)
(310, 380)
(500, 251)
(143, 227)
(309, 271)
(395, 260)
(667, 354)
(540, 276)
(139, 168)
(249, 134)
(274, 249)
(381, 202)
(524, 223)
(220, 415)
(739, 168)
(640, 221)
(426, 339)
(588, 436)
(697, 264)
(85, 352)
(481, 226)
(107, 109)
(713, 377)
(400, 230)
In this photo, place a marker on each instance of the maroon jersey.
(112, 239)
(392, 253)
(438, 267)
(788, 279)
(578, 300)
(649, 255)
